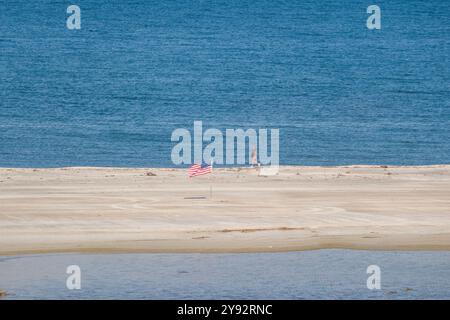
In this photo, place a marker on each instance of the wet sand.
(232, 210)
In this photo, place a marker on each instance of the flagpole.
(210, 186)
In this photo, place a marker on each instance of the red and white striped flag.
(198, 170)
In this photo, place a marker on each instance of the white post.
(210, 187)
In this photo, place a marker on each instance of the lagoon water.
(111, 93)
(321, 274)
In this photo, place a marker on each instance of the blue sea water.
(319, 274)
(111, 93)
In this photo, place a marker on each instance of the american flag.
(198, 170)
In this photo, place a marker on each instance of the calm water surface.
(322, 274)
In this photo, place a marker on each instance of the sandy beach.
(231, 210)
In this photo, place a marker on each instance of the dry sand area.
(162, 210)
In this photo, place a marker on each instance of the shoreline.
(235, 167)
(128, 210)
(184, 248)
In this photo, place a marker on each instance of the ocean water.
(321, 274)
(111, 93)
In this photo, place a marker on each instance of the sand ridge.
(84, 209)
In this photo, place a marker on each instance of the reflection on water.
(321, 274)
